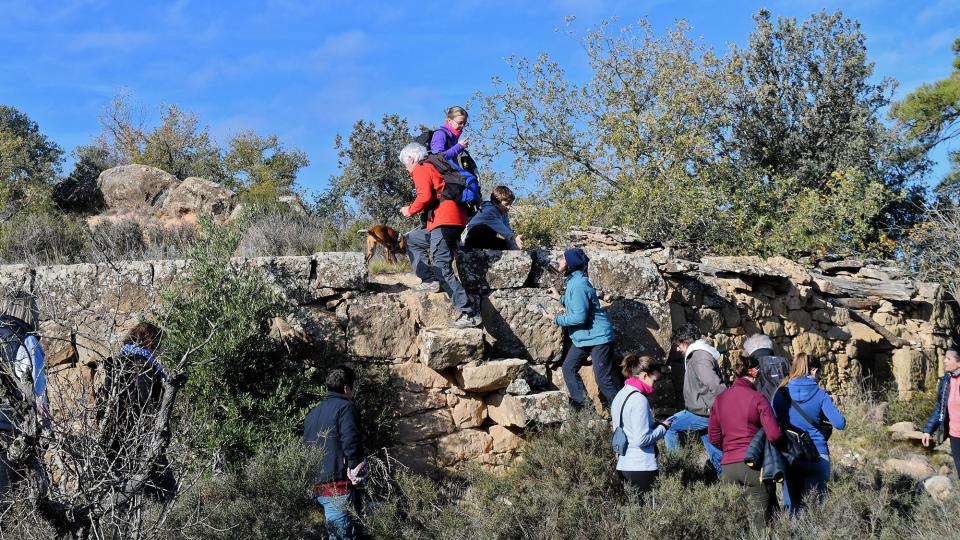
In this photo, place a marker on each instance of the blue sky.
(307, 70)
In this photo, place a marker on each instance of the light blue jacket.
(584, 319)
(642, 432)
(491, 217)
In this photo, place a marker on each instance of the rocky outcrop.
(195, 196)
(135, 187)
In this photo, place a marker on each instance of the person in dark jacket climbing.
(333, 427)
(591, 333)
(945, 419)
(801, 391)
(737, 415)
(490, 228)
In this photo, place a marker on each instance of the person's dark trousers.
(444, 241)
(602, 371)
(762, 496)
(640, 481)
(418, 249)
(483, 237)
(955, 450)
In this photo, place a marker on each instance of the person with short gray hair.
(21, 367)
(774, 369)
(433, 247)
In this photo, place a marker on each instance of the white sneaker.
(427, 286)
(466, 321)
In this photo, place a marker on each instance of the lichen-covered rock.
(627, 275)
(906, 371)
(811, 343)
(492, 375)
(288, 276)
(519, 330)
(468, 411)
(196, 196)
(463, 445)
(642, 326)
(543, 408)
(518, 387)
(914, 466)
(416, 377)
(412, 402)
(545, 272)
(338, 270)
(441, 348)
(483, 269)
(133, 187)
(504, 439)
(380, 326)
(939, 487)
(425, 425)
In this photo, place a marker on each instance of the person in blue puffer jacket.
(800, 390)
(591, 333)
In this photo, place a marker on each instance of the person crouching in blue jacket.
(801, 391)
(591, 333)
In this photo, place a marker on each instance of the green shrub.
(245, 391)
(268, 498)
(917, 409)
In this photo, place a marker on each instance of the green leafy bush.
(246, 392)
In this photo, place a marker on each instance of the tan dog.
(392, 241)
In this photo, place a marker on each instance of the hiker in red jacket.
(738, 414)
(433, 248)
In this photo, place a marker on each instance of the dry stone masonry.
(472, 395)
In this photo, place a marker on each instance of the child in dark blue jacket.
(800, 390)
(591, 333)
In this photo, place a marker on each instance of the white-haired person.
(23, 365)
(433, 247)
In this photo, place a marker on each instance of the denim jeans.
(687, 421)
(336, 512)
(432, 254)
(803, 477)
(602, 372)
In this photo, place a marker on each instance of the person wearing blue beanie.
(591, 333)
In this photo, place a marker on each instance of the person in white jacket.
(630, 411)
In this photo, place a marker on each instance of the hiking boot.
(427, 286)
(465, 321)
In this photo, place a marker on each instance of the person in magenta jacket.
(737, 415)
(446, 140)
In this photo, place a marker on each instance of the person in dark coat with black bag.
(333, 427)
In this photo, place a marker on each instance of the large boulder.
(915, 466)
(425, 425)
(467, 444)
(520, 411)
(468, 411)
(338, 270)
(504, 439)
(379, 326)
(415, 377)
(627, 275)
(441, 348)
(135, 187)
(516, 327)
(492, 375)
(482, 269)
(195, 196)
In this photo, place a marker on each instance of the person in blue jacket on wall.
(591, 333)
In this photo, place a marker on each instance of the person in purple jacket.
(446, 140)
(801, 391)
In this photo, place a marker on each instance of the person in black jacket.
(333, 427)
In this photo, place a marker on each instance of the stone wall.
(471, 395)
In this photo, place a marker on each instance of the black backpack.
(773, 370)
(13, 334)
